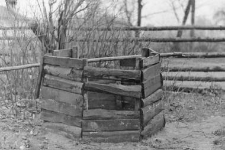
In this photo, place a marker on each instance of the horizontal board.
(68, 131)
(97, 100)
(65, 62)
(96, 96)
(111, 125)
(61, 107)
(128, 62)
(94, 72)
(151, 60)
(154, 126)
(63, 84)
(151, 85)
(157, 95)
(61, 96)
(55, 117)
(132, 90)
(110, 105)
(151, 71)
(63, 53)
(102, 81)
(112, 137)
(150, 111)
(102, 114)
(66, 73)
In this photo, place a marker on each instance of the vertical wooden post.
(75, 52)
(137, 103)
(39, 80)
(145, 52)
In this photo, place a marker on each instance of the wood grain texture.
(66, 73)
(61, 96)
(96, 100)
(75, 52)
(101, 104)
(150, 111)
(151, 85)
(111, 125)
(39, 79)
(102, 114)
(66, 130)
(112, 137)
(94, 72)
(65, 62)
(151, 60)
(102, 81)
(128, 62)
(154, 126)
(132, 90)
(61, 107)
(151, 71)
(63, 84)
(56, 117)
(157, 95)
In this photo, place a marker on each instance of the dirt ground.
(194, 122)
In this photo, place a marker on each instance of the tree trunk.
(192, 33)
(140, 6)
(186, 13)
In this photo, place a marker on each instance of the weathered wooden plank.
(63, 53)
(101, 104)
(102, 59)
(151, 60)
(102, 81)
(94, 72)
(150, 111)
(112, 137)
(61, 107)
(102, 114)
(61, 96)
(65, 62)
(56, 117)
(152, 98)
(132, 90)
(68, 131)
(39, 80)
(151, 85)
(110, 125)
(63, 84)
(96, 96)
(154, 126)
(66, 73)
(137, 104)
(97, 100)
(128, 62)
(145, 52)
(151, 71)
(75, 52)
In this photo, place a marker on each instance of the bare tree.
(53, 27)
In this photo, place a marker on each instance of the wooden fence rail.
(164, 55)
(158, 28)
(171, 74)
(154, 40)
(19, 67)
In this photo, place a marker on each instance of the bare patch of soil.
(194, 122)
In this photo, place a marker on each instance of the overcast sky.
(158, 12)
